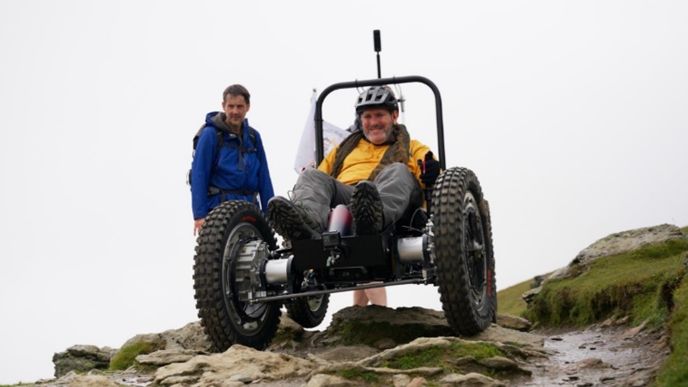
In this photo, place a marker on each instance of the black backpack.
(218, 145)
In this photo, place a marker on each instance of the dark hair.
(237, 90)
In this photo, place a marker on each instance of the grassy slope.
(635, 284)
(638, 284)
(509, 300)
(674, 371)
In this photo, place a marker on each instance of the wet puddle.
(599, 357)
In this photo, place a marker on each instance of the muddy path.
(599, 356)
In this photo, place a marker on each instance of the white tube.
(277, 270)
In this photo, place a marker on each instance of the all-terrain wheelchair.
(242, 278)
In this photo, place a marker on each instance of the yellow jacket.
(363, 159)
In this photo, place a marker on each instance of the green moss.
(428, 356)
(685, 230)
(125, 357)
(444, 357)
(359, 374)
(634, 283)
(509, 300)
(674, 371)
(441, 357)
(354, 332)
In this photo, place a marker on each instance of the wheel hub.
(241, 273)
(475, 247)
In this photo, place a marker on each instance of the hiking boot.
(366, 208)
(290, 220)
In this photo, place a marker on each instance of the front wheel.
(463, 250)
(231, 236)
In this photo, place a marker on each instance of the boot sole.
(366, 208)
(287, 221)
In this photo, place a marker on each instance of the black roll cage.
(319, 147)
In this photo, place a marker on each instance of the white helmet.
(376, 96)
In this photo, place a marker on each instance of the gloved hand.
(430, 169)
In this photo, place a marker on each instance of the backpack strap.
(219, 142)
(254, 143)
(398, 150)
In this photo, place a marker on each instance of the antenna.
(378, 47)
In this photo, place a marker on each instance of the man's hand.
(430, 169)
(197, 225)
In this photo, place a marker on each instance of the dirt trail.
(610, 356)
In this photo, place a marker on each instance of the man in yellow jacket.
(377, 171)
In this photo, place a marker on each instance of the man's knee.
(398, 172)
(312, 175)
(396, 168)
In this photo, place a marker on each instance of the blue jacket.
(239, 168)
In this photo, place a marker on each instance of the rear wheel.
(463, 251)
(309, 312)
(232, 235)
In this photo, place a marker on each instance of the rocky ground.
(384, 347)
(403, 347)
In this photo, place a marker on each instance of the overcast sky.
(572, 114)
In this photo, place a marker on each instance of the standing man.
(229, 159)
(375, 170)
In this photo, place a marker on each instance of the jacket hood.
(217, 120)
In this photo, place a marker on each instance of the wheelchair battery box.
(343, 258)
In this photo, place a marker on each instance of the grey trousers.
(317, 193)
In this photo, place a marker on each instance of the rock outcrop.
(617, 243)
(377, 327)
(149, 350)
(238, 363)
(514, 322)
(190, 337)
(626, 241)
(400, 347)
(82, 358)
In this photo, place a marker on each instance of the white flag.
(332, 136)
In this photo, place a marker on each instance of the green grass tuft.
(442, 357)
(428, 356)
(358, 374)
(674, 371)
(509, 300)
(125, 357)
(634, 283)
